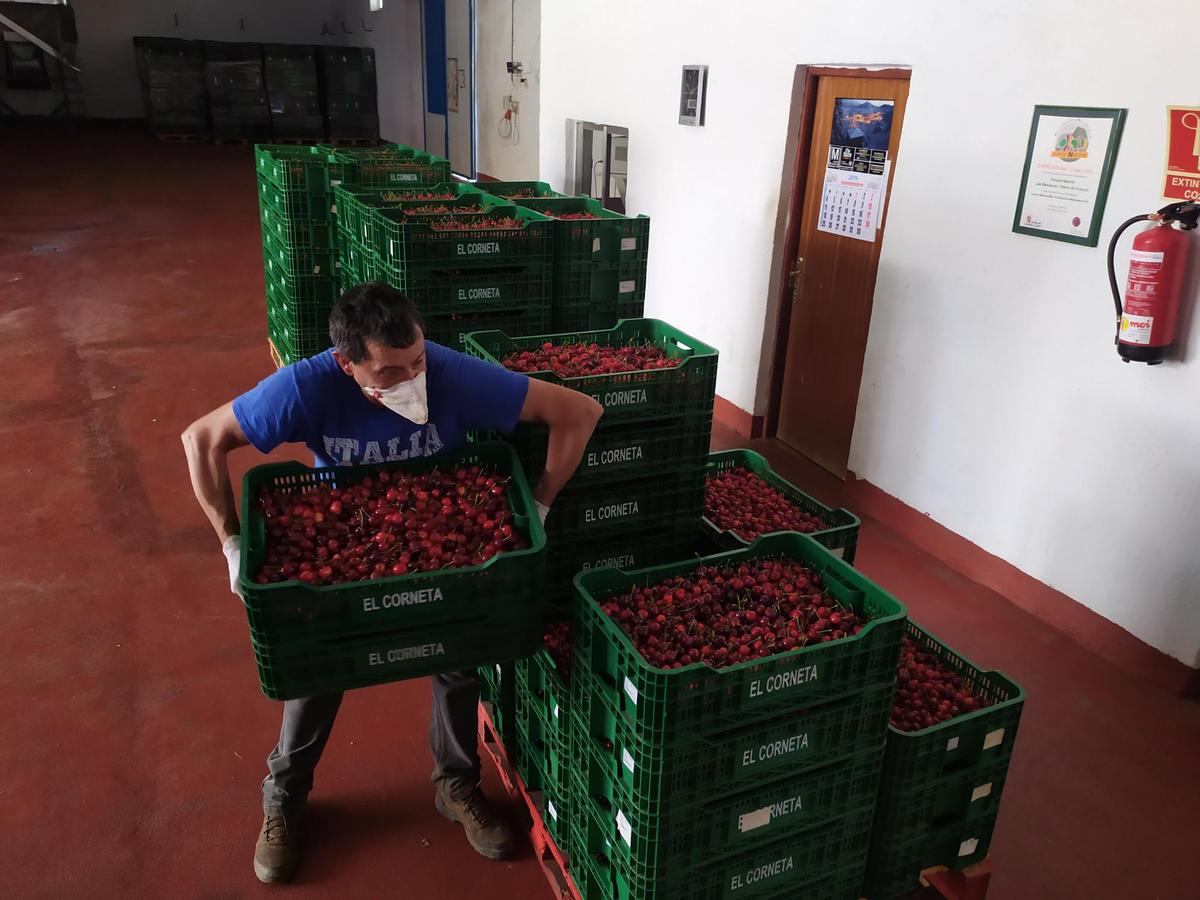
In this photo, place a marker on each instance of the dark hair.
(373, 311)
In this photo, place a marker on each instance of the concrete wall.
(497, 43)
(992, 398)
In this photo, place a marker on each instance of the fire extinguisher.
(1146, 320)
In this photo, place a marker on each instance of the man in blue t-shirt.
(382, 394)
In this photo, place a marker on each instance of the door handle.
(797, 272)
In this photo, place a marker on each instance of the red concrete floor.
(132, 730)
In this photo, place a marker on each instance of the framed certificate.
(1068, 168)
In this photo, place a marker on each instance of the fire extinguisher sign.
(1183, 153)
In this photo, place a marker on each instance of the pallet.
(298, 142)
(275, 357)
(354, 142)
(241, 141)
(552, 860)
(969, 884)
(183, 138)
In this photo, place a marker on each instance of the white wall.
(396, 36)
(992, 397)
(496, 40)
(107, 28)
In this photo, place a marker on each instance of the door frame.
(792, 191)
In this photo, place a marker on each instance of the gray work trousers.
(307, 724)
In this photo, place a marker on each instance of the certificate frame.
(1102, 180)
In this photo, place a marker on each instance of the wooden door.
(832, 285)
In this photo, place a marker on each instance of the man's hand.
(571, 418)
(232, 548)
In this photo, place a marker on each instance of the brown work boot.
(278, 849)
(486, 831)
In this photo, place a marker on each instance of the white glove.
(542, 510)
(232, 548)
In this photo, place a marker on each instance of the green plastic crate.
(466, 598)
(298, 231)
(597, 295)
(910, 810)
(704, 700)
(352, 204)
(821, 863)
(304, 169)
(546, 756)
(688, 388)
(301, 334)
(583, 513)
(841, 537)
(408, 245)
(452, 330)
(519, 190)
(296, 205)
(687, 828)
(894, 869)
(474, 290)
(655, 770)
(975, 740)
(299, 259)
(498, 687)
(623, 450)
(624, 549)
(390, 165)
(300, 288)
(610, 237)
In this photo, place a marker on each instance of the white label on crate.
(391, 247)
(595, 245)
(556, 710)
(628, 243)
(333, 208)
(631, 690)
(756, 819)
(316, 270)
(625, 828)
(967, 847)
(627, 759)
(840, 552)
(952, 744)
(498, 673)
(334, 182)
(550, 809)
(994, 739)
(984, 790)
(627, 287)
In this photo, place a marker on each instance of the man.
(382, 394)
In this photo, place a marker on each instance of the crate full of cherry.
(744, 498)
(366, 574)
(503, 235)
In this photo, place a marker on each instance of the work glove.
(232, 548)
(542, 510)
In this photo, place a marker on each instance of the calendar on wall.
(852, 203)
(857, 168)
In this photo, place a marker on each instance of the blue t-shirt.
(314, 402)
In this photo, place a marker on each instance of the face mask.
(405, 399)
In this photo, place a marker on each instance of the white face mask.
(405, 399)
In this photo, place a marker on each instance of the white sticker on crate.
(631, 690)
(391, 247)
(755, 819)
(334, 182)
(333, 208)
(627, 759)
(628, 243)
(984, 790)
(993, 739)
(840, 552)
(498, 673)
(550, 809)
(595, 245)
(556, 710)
(952, 744)
(625, 828)
(967, 847)
(627, 287)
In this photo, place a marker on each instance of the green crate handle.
(300, 476)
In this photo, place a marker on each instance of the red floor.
(132, 731)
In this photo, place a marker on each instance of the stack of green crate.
(309, 640)
(464, 270)
(299, 249)
(755, 780)
(518, 191)
(356, 226)
(637, 497)
(600, 259)
(942, 785)
(840, 535)
(389, 166)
